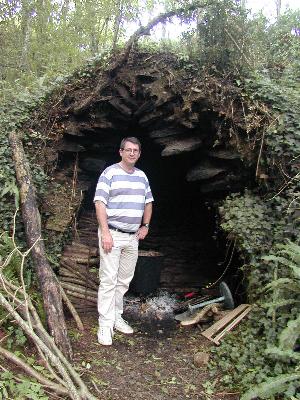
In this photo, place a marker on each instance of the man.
(123, 203)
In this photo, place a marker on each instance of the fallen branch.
(82, 259)
(82, 249)
(15, 300)
(78, 282)
(33, 373)
(55, 356)
(79, 270)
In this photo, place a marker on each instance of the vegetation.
(43, 40)
(266, 349)
(261, 222)
(49, 37)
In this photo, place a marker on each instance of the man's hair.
(131, 140)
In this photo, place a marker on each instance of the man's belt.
(120, 230)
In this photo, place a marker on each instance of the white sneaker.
(122, 326)
(105, 335)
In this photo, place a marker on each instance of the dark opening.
(185, 222)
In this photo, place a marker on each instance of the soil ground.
(150, 364)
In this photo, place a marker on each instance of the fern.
(284, 355)
(277, 259)
(280, 303)
(287, 286)
(293, 250)
(272, 386)
(290, 334)
(282, 283)
(296, 270)
(9, 259)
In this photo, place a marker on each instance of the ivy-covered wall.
(265, 225)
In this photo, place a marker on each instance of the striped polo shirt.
(125, 195)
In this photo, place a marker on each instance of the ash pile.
(153, 315)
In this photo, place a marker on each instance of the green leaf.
(290, 334)
(271, 387)
(285, 355)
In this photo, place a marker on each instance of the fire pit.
(154, 315)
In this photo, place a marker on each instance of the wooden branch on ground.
(52, 352)
(80, 273)
(33, 373)
(20, 308)
(31, 219)
(82, 249)
(79, 282)
(82, 296)
(82, 260)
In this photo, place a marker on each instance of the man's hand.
(107, 242)
(142, 232)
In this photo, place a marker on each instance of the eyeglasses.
(128, 151)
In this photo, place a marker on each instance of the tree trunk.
(32, 223)
(25, 28)
(117, 24)
(64, 11)
(278, 8)
(94, 43)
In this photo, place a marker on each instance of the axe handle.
(205, 303)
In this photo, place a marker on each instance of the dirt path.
(153, 364)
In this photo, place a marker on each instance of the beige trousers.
(116, 272)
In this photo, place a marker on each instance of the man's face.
(131, 153)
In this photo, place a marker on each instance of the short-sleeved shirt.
(125, 195)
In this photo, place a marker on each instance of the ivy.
(15, 109)
(282, 95)
(243, 216)
(264, 223)
(20, 388)
(262, 357)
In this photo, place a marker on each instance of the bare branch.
(15, 300)
(55, 356)
(32, 372)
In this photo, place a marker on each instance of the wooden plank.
(208, 333)
(228, 328)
